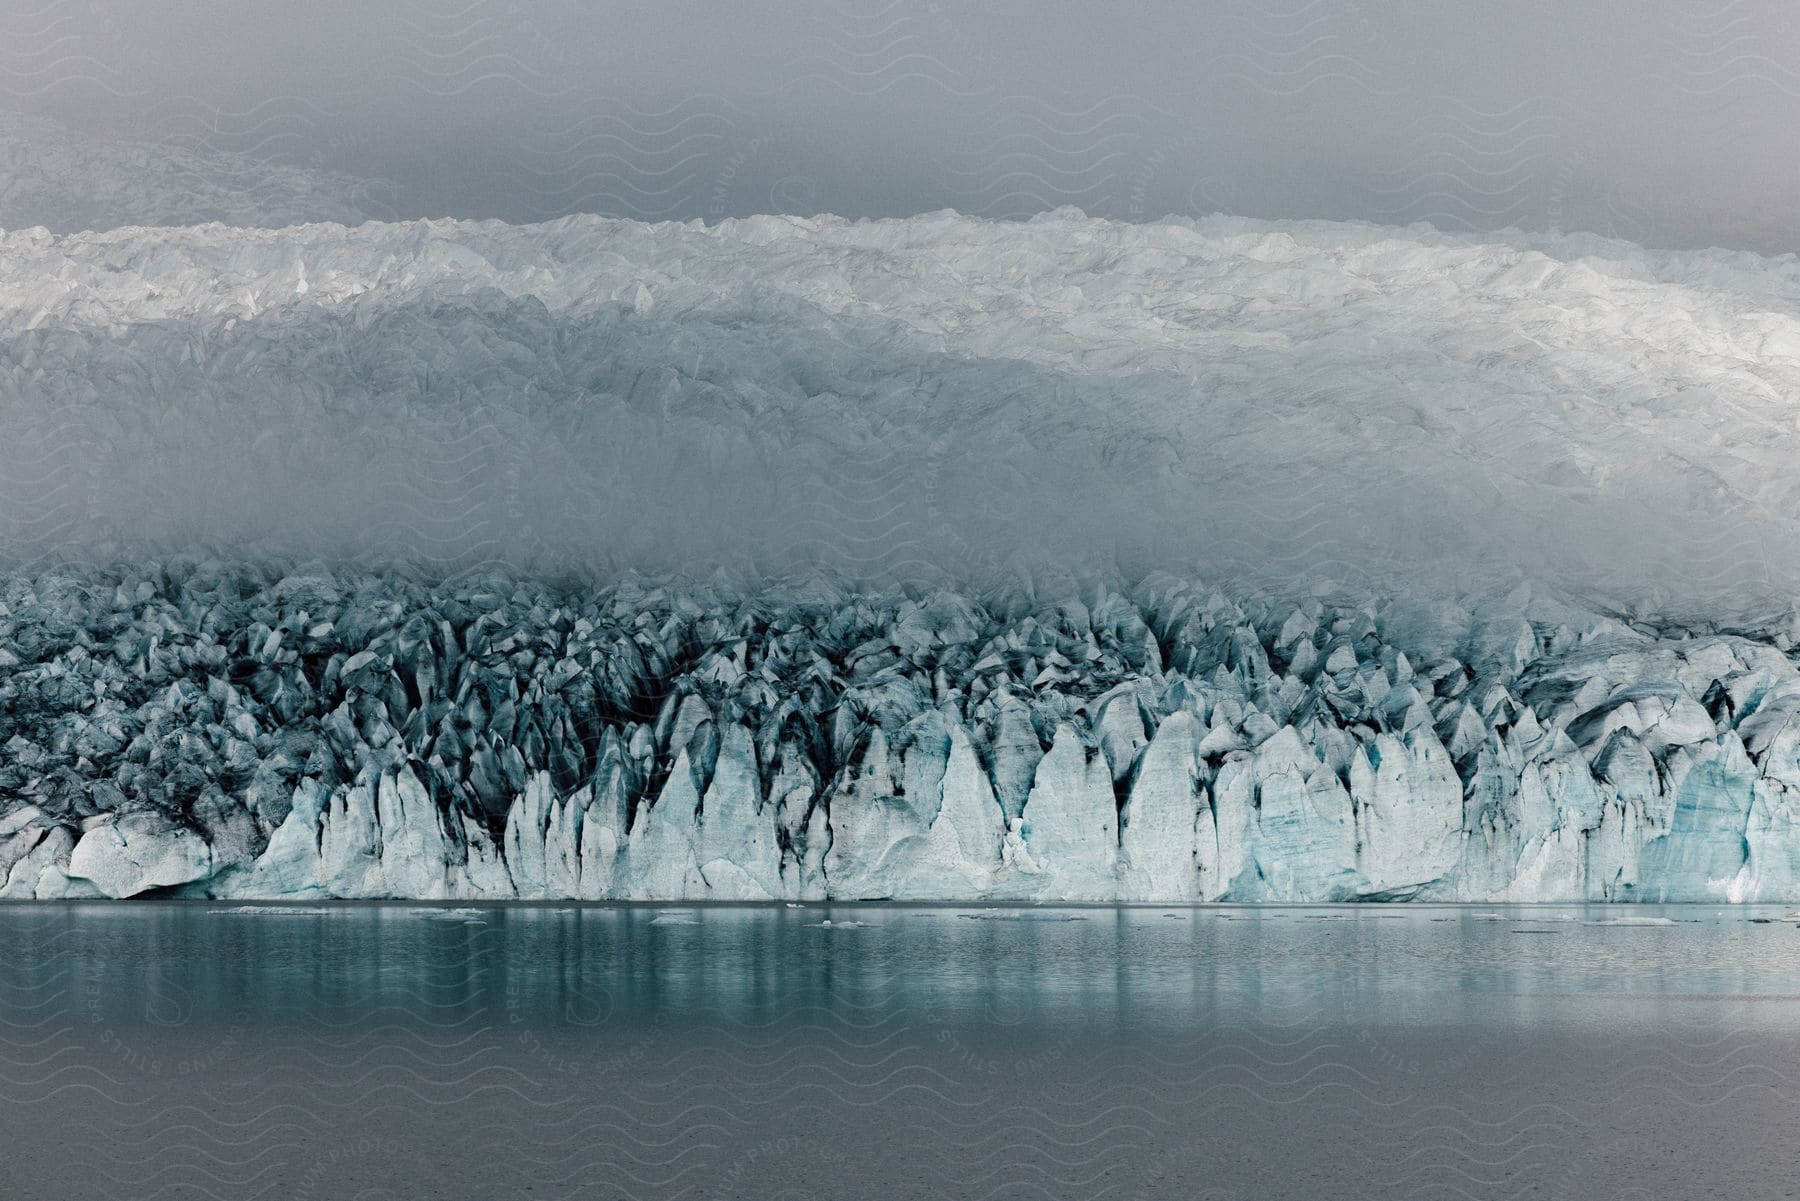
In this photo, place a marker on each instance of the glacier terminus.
(932, 558)
(206, 731)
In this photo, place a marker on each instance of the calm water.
(360, 1052)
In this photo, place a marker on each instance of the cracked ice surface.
(223, 732)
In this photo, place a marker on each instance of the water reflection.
(171, 963)
(375, 1050)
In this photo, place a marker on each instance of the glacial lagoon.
(374, 1051)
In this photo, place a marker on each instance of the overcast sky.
(1667, 121)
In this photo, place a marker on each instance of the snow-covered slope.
(64, 180)
(223, 733)
(931, 398)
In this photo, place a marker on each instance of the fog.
(1660, 121)
(1438, 405)
(910, 400)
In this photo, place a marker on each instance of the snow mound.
(930, 399)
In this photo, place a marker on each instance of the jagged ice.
(209, 731)
(1500, 537)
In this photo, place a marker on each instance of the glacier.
(935, 399)
(214, 730)
(928, 558)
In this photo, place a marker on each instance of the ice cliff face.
(218, 732)
(962, 418)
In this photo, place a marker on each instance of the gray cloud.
(1663, 121)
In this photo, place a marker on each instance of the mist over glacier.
(930, 399)
(931, 557)
(867, 598)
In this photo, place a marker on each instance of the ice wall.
(885, 482)
(215, 732)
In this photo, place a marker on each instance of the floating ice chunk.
(473, 916)
(1021, 915)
